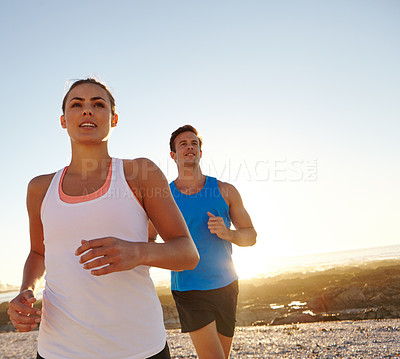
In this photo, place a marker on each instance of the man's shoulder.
(228, 191)
(226, 186)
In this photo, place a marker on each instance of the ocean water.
(312, 262)
(305, 263)
(322, 261)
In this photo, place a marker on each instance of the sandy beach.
(344, 339)
(354, 309)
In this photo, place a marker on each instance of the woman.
(88, 231)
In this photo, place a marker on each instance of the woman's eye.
(99, 104)
(76, 104)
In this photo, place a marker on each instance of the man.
(206, 296)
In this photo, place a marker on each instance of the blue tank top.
(215, 268)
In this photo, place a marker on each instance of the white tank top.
(117, 315)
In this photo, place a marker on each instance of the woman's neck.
(90, 158)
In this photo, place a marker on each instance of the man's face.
(187, 149)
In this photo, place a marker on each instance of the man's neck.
(190, 180)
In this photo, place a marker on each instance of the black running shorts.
(198, 308)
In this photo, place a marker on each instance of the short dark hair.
(180, 130)
(92, 81)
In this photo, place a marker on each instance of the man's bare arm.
(244, 234)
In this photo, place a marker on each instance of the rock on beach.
(344, 339)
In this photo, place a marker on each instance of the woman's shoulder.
(139, 162)
(142, 176)
(140, 168)
(37, 189)
(40, 184)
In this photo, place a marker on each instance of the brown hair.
(178, 132)
(92, 81)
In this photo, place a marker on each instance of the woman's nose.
(87, 112)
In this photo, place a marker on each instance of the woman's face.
(88, 117)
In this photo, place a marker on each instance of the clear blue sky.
(297, 102)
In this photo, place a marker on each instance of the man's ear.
(114, 120)
(172, 154)
(62, 121)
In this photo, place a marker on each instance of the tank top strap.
(118, 172)
(211, 182)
